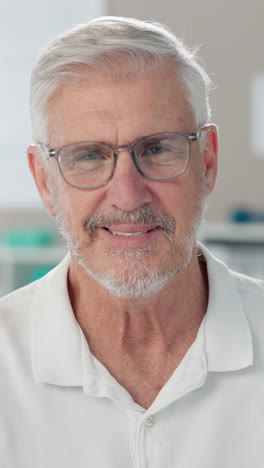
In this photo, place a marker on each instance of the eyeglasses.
(91, 164)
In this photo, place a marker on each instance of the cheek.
(181, 198)
(77, 206)
(63, 201)
(175, 196)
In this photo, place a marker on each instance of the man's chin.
(129, 274)
(130, 254)
(131, 281)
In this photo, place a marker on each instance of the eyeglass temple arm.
(196, 136)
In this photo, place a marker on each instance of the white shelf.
(240, 246)
(32, 255)
(20, 265)
(233, 233)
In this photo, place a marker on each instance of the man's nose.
(128, 189)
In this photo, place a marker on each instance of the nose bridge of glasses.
(119, 149)
(129, 149)
(125, 148)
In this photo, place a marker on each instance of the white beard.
(134, 277)
(137, 280)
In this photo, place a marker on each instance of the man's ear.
(210, 156)
(39, 172)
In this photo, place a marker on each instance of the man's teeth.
(127, 234)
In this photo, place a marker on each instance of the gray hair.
(113, 44)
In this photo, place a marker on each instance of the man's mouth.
(141, 223)
(128, 234)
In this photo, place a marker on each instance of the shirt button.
(149, 421)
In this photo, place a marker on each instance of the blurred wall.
(25, 28)
(231, 36)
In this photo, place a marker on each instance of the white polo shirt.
(60, 407)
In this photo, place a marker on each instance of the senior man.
(136, 351)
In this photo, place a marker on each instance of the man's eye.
(90, 157)
(156, 150)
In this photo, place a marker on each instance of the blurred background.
(230, 39)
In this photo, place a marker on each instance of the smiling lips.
(131, 231)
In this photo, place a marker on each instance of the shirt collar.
(228, 341)
(57, 341)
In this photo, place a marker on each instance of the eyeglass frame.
(190, 138)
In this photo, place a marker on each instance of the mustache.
(143, 215)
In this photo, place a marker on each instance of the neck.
(169, 316)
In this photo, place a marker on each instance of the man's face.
(131, 226)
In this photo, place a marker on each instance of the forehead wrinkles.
(118, 113)
(68, 124)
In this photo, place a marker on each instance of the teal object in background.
(38, 271)
(247, 215)
(27, 255)
(28, 238)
